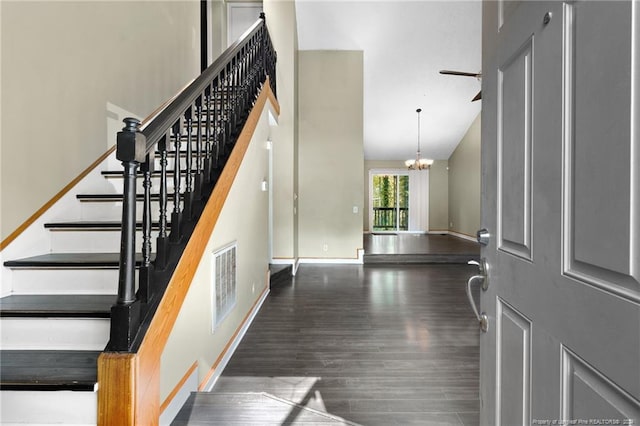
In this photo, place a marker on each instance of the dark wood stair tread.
(117, 197)
(94, 225)
(48, 370)
(120, 173)
(70, 260)
(67, 306)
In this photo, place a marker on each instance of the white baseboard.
(178, 400)
(213, 378)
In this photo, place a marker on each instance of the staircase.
(65, 300)
(56, 321)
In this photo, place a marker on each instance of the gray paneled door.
(561, 200)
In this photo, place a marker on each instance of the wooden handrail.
(200, 125)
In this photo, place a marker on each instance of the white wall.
(331, 158)
(71, 68)
(192, 338)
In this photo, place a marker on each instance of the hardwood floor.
(375, 345)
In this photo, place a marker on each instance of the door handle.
(483, 279)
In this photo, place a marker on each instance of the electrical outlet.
(253, 288)
(325, 247)
(450, 224)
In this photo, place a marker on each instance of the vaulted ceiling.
(405, 44)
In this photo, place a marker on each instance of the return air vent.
(224, 283)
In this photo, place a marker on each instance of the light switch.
(355, 209)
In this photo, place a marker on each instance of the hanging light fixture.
(418, 163)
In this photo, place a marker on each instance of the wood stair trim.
(57, 306)
(48, 370)
(144, 378)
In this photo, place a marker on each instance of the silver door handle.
(483, 319)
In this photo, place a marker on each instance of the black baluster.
(198, 177)
(263, 45)
(188, 193)
(217, 118)
(162, 242)
(125, 315)
(207, 148)
(176, 215)
(144, 286)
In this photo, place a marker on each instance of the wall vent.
(224, 283)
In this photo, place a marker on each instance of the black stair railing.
(195, 134)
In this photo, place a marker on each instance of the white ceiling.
(405, 44)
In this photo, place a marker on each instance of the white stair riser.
(64, 241)
(48, 408)
(94, 211)
(91, 334)
(116, 185)
(65, 281)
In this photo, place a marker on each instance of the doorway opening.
(389, 202)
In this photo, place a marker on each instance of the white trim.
(464, 236)
(323, 260)
(234, 344)
(282, 261)
(171, 411)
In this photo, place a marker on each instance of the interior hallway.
(374, 345)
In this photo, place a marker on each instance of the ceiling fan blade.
(462, 73)
(477, 97)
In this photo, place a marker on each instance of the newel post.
(131, 150)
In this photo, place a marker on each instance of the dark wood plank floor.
(375, 345)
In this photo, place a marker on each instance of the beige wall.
(331, 155)
(192, 338)
(70, 71)
(438, 191)
(281, 22)
(464, 183)
(439, 195)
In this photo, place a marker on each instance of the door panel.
(514, 152)
(599, 241)
(514, 365)
(587, 394)
(560, 197)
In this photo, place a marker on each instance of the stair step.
(70, 260)
(48, 370)
(64, 281)
(280, 274)
(250, 408)
(382, 259)
(120, 173)
(116, 197)
(60, 306)
(94, 226)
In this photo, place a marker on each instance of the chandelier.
(418, 163)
